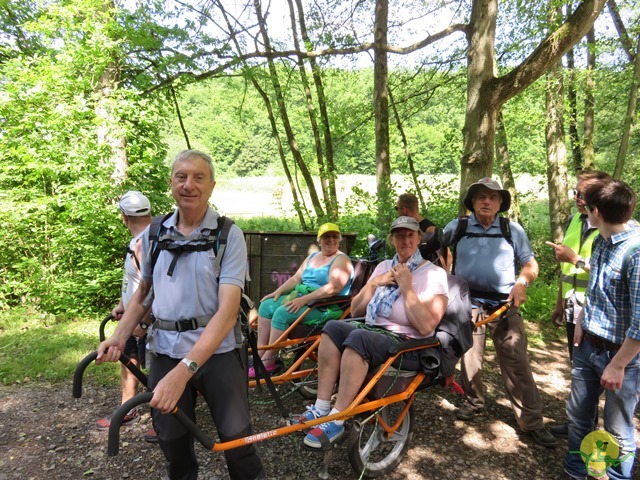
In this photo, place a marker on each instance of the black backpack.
(455, 331)
(461, 231)
(215, 240)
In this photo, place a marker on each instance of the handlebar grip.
(116, 421)
(77, 375)
(113, 446)
(103, 324)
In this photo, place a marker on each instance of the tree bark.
(482, 106)
(559, 207)
(284, 116)
(572, 96)
(629, 116)
(298, 203)
(486, 94)
(589, 102)
(508, 182)
(109, 130)
(381, 111)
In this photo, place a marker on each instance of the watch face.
(580, 264)
(191, 365)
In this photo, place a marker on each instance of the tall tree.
(381, 108)
(284, 115)
(486, 92)
(559, 207)
(589, 102)
(508, 182)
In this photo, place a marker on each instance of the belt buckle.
(186, 325)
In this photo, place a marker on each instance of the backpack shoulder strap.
(224, 225)
(155, 229)
(461, 229)
(505, 228)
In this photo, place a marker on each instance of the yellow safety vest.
(574, 279)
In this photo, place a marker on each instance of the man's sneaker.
(150, 436)
(311, 414)
(467, 412)
(330, 431)
(129, 419)
(543, 437)
(560, 429)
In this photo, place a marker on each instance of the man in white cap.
(495, 257)
(136, 215)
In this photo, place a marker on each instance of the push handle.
(118, 416)
(82, 366)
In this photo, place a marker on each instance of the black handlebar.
(82, 365)
(103, 324)
(118, 416)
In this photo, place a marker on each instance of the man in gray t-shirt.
(195, 306)
(495, 258)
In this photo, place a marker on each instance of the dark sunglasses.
(577, 194)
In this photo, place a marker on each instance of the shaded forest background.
(98, 95)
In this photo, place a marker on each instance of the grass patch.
(43, 347)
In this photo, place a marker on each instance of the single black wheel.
(371, 451)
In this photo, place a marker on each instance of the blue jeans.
(589, 363)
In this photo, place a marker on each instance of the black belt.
(600, 342)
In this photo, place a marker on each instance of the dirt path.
(44, 433)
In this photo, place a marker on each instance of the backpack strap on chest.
(461, 231)
(210, 239)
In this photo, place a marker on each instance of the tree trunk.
(502, 154)
(284, 116)
(572, 95)
(330, 171)
(298, 204)
(630, 115)
(109, 130)
(407, 151)
(559, 207)
(589, 101)
(381, 112)
(627, 46)
(486, 94)
(482, 108)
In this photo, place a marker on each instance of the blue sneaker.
(311, 414)
(328, 433)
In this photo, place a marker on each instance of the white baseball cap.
(135, 204)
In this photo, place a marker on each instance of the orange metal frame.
(359, 405)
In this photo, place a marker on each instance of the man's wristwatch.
(522, 281)
(191, 365)
(144, 326)
(580, 263)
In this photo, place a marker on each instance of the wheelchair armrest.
(413, 344)
(335, 300)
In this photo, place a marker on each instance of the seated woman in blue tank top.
(323, 274)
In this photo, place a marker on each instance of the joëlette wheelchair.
(303, 340)
(380, 419)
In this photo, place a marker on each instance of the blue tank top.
(318, 277)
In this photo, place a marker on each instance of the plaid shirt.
(613, 303)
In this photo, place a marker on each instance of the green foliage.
(62, 237)
(44, 347)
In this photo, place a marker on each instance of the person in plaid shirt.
(607, 337)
